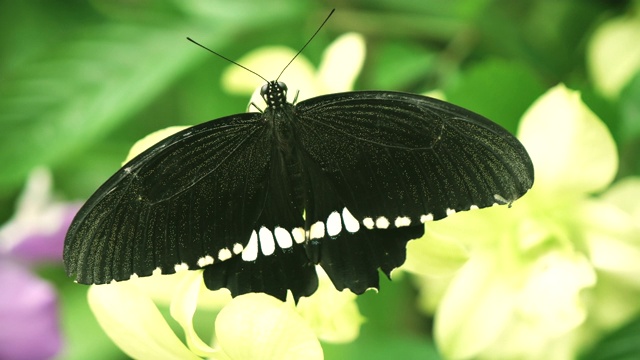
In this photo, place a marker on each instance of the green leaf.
(68, 98)
(629, 128)
(630, 110)
(64, 100)
(393, 329)
(547, 35)
(400, 66)
(497, 89)
(622, 344)
(84, 338)
(385, 346)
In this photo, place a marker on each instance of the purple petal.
(39, 246)
(28, 309)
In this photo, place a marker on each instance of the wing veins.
(187, 188)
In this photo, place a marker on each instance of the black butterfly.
(258, 199)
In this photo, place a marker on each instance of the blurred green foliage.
(81, 81)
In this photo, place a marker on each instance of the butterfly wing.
(349, 253)
(170, 208)
(390, 162)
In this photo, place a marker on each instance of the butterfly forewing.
(185, 202)
(397, 155)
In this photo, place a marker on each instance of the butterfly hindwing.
(348, 252)
(274, 260)
(274, 274)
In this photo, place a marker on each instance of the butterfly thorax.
(279, 115)
(286, 160)
(274, 93)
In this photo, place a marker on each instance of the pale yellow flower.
(510, 283)
(341, 63)
(613, 55)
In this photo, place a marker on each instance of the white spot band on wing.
(368, 223)
(382, 222)
(283, 238)
(224, 254)
(350, 222)
(402, 221)
(317, 230)
(250, 253)
(205, 260)
(334, 224)
(267, 244)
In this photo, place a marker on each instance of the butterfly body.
(257, 200)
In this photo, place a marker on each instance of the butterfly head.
(274, 94)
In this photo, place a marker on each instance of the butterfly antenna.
(229, 60)
(308, 41)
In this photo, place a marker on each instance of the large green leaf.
(67, 98)
(63, 101)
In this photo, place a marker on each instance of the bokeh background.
(81, 81)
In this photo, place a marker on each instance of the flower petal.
(550, 301)
(572, 150)
(469, 229)
(28, 309)
(625, 194)
(39, 246)
(548, 308)
(150, 140)
(612, 229)
(183, 307)
(437, 254)
(341, 63)
(612, 61)
(495, 314)
(475, 309)
(269, 62)
(37, 230)
(332, 314)
(260, 327)
(613, 238)
(134, 323)
(163, 289)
